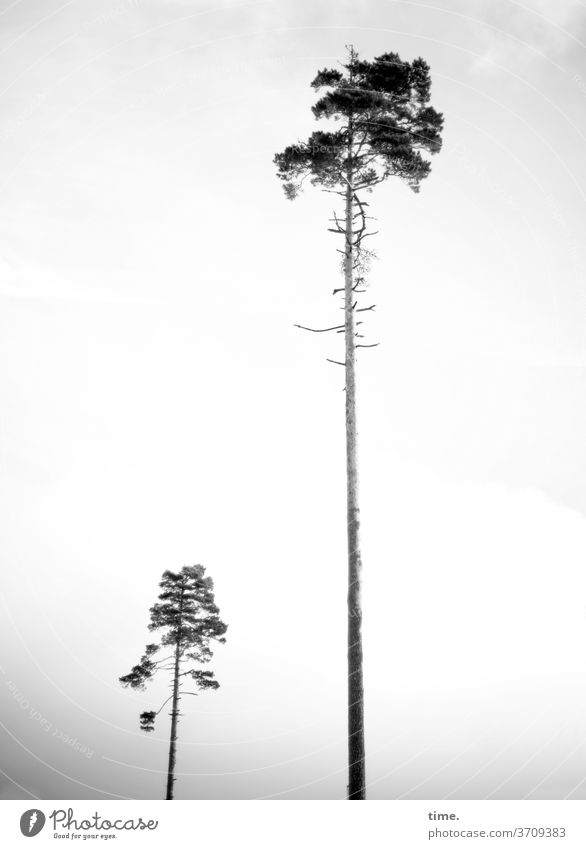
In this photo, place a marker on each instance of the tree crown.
(386, 121)
(189, 617)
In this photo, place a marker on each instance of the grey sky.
(160, 409)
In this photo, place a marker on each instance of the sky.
(160, 409)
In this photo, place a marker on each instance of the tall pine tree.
(189, 618)
(384, 121)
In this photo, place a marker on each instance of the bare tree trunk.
(356, 754)
(175, 709)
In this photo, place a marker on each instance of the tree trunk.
(356, 755)
(175, 708)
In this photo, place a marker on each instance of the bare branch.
(320, 330)
(338, 222)
(163, 705)
(368, 346)
(337, 362)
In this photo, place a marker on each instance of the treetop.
(386, 121)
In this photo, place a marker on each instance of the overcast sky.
(159, 409)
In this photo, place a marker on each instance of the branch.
(338, 224)
(361, 143)
(366, 309)
(320, 330)
(337, 362)
(362, 214)
(163, 660)
(370, 183)
(368, 346)
(163, 705)
(344, 327)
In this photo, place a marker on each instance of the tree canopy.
(188, 616)
(386, 121)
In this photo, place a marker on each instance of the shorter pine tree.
(190, 617)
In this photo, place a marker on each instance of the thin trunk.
(356, 755)
(175, 708)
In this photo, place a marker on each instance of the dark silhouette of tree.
(187, 613)
(384, 121)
